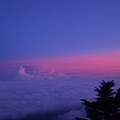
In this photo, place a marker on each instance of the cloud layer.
(19, 98)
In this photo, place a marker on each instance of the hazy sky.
(64, 36)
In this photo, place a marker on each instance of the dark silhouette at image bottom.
(106, 105)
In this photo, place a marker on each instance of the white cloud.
(39, 72)
(47, 71)
(21, 71)
(23, 75)
(52, 70)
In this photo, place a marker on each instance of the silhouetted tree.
(106, 105)
(77, 118)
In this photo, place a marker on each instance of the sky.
(60, 38)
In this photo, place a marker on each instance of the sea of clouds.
(20, 98)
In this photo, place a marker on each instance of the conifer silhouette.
(106, 105)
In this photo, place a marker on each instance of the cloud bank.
(19, 98)
(41, 72)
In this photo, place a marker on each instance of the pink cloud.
(23, 75)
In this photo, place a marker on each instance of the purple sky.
(46, 29)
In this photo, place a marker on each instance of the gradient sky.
(60, 37)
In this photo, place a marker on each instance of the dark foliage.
(77, 118)
(106, 105)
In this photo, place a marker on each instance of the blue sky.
(35, 29)
(52, 28)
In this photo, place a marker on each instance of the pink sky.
(105, 64)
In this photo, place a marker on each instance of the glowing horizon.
(106, 64)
